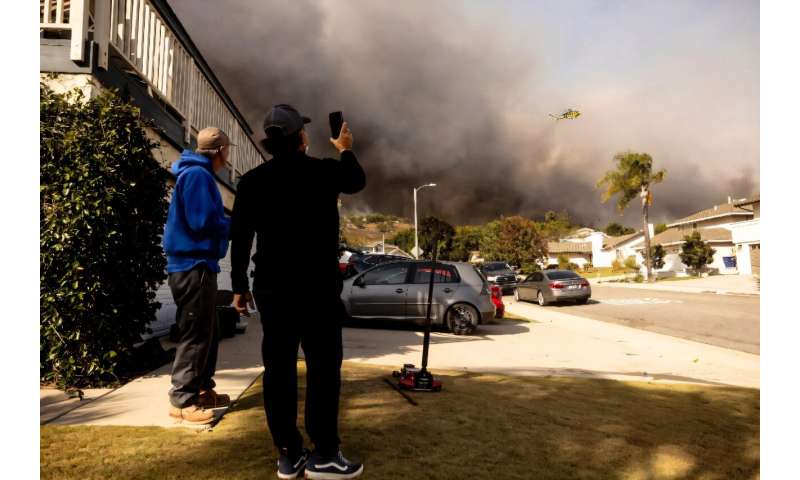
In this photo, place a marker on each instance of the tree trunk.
(646, 229)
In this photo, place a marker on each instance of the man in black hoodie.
(291, 204)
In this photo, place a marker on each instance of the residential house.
(386, 249)
(716, 226)
(141, 49)
(579, 253)
(588, 246)
(747, 239)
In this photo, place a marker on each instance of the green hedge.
(103, 200)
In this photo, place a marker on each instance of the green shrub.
(377, 218)
(102, 211)
(616, 265)
(696, 253)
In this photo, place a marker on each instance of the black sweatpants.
(288, 324)
(195, 294)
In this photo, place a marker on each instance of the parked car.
(553, 286)
(398, 290)
(500, 274)
(358, 263)
(497, 299)
(345, 254)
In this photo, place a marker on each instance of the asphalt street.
(729, 321)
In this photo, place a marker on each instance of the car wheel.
(462, 319)
(516, 295)
(582, 301)
(540, 298)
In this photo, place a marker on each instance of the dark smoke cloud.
(437, 94)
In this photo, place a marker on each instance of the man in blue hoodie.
(195, 238)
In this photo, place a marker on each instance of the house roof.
(613, 242)
(749, 201)
(581, 232)
(569, 247)
(673, 236)
(722, 210)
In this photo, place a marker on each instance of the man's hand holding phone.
(241, 301)
(345, 140)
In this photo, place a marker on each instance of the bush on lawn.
(696, 253)
(630, 263)
(102, 211)
(616, 265)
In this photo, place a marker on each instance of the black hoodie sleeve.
(349, 174)
(242, 233)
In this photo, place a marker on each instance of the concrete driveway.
(558, 343)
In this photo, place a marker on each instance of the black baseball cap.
(284, 119)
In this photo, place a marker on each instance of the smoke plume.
(459, 93)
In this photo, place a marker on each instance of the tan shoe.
(193, 414)
(212, 399)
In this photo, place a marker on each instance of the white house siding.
(746, 236)
(673, 264)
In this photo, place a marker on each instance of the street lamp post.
(416, 234)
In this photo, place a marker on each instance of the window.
(534, 277)
(444, 274)
(561, 275)
(392, 274)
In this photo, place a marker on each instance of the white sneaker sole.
(333, 476)
(292, 476)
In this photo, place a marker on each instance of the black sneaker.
(332, 467)
(290, 467)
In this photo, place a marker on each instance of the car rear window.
(561, 275)
(496, 266)
(444, 274)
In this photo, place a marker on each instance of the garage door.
(755, 258)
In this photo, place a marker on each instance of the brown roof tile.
(569, 247)
(719, 210)
(612, 242)
(675, 235)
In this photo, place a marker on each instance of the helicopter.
(568, 114)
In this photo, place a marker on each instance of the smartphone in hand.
(336, 120)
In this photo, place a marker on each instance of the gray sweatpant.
(195, 294)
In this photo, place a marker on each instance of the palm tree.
(632, 177)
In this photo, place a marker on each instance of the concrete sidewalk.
(720, 284)
(556, 343)
(144, 402)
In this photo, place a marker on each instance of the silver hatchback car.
(553, 286)
(399, 290)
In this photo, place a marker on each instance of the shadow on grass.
(480, 426)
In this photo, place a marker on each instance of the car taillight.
(556, 285)
(584, 283)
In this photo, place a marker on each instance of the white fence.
(137, 33)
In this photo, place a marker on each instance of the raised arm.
(349, 175)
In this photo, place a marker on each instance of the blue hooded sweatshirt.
(197, 228)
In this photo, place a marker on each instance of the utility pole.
(416, 229)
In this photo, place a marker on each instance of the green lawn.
(480, 427)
